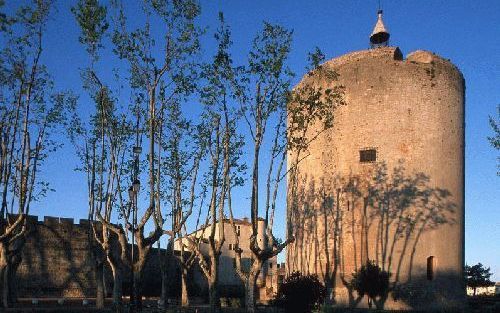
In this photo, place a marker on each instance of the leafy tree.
(276, 119)
(478, 276)
(159, 75)
(300, 293)
(31, 112)
(98, 146)
(219, 122)
(91, 16)
(372, 281)
(495, 139)
(185, 148)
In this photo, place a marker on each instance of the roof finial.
(380, 35)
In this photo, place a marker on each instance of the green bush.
(300, 293)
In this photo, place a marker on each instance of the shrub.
(372, 281)
(300, 293)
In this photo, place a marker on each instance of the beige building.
(228, 278)
(386, 183)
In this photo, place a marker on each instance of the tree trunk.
(250, 293)
(15, 262)
(213, 296)
(164, 290)
(137, 292)
(330, 291)
(353, 301)
(184, 294)
(379, 304)
(165, 267)
(251, 284)
(4, 270)
(117, 287)
(99, 301)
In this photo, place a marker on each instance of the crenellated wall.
(56, 261)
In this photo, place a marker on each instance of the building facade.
(386, 182)
(228, 277)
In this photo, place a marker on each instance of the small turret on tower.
(380, 35)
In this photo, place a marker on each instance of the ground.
(475, 305)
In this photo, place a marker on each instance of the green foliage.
(300, 293)
(495, 139)
(91, 18)
(312, 106)
(220, 87)
(4, 19)
(181, 44)
(371, 280)
(478, 276)
(315, 58)
(31, 110)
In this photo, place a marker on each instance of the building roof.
(380, 34)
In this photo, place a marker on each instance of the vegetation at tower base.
(495, 139)
(31, 112)
(478, 276)
(300, 293)
(372, 281)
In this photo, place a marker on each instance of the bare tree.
(29, 114)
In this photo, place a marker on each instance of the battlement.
(57, 259)
(52, 221)
(390, 54)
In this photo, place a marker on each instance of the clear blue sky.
(467, 32)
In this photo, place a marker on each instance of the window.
(233, 246)
(431, 267)
(270, 265)
(367, 155)
(238, 229)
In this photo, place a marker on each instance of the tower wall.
(405, 210)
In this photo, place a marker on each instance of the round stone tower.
(386, 182)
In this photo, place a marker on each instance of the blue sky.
(467, 32)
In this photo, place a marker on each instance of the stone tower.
(386, 183)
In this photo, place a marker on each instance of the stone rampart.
(56, 262)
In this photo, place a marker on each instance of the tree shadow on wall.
(341, 222)
(55, 262)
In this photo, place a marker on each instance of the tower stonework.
(386, 182)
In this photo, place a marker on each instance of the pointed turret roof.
(380, 34)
